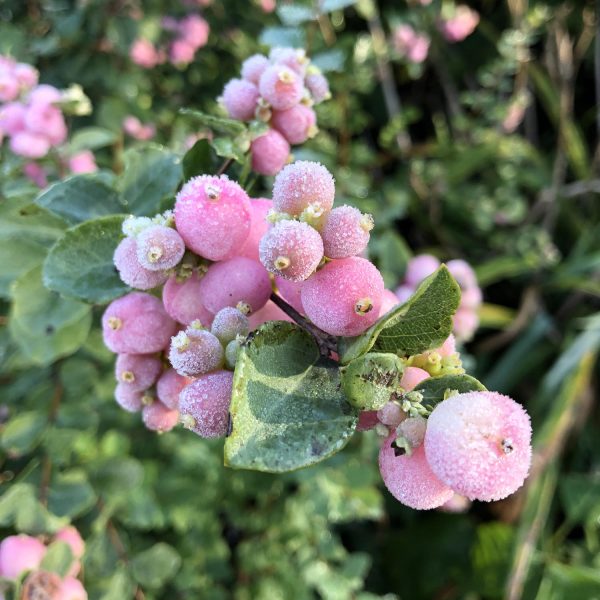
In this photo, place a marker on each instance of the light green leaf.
(23, 432)
(331, 60)
(331, 5)
(21, 218)
(91, 138)
(18, 255)
(434, 388)
(292, 37)
(157, 565)
(293, 15)
(220, 124)
(58, 558)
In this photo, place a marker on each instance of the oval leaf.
(435, 388)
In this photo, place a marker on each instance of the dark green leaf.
(198, 160)
(220, 124)
(71, 495)
(157, 565)
(434, 388)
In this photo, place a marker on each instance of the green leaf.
(58, 558)
(91, 138)
(292, 15)
(120, 586)
(71, 495)
(18, 255)
(331, 5)
(228, 148)
(293, 37)
(331, 60)
(80, 198)
(434, 388)
(150, 175)
(80, 264)
(220, 124)
(157, 565)
(198, 160)
(287, 407)
(23, 219)
(420, 324)
(23, 432)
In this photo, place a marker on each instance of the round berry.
(204, 404)
(346, 232)
(296, 124)
(448, 347)
(253, 67)
(270, 152)
(228, 324)
(344, 297)
(462, 271)
(367, 420)
(471, 298)
(159, 248)
(195, 352)
(391, 414)
(183, 301)
(73, 538)
(269, 312)
(404, 292)
(292, 250)
(419, 268)
(212, 215)
(137, 371)
(412, 377)
(294, 58)
(303, 184)
(240, 98)
(136, 324)
(389, 300)
(479, 444)
(239, 282)
(169, 386)
(413, 430)
(259, 209)
(465, 322)
(72, 589)
(290, 291)
(318, 86)
(129, 399)
(19, 553)
(157, 417)
(131, 271)
(281, 87)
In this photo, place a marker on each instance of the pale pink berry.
(253, 67)
(26, 75)
(234, 281)
(9, 87)
(12, 118)
(144, 54)
(404, 292)
(71, 536)
(346, 232)
(204, 404)
(19, 553)
(410, 44)
(131, 271)
(136, 324)
(269, 312)
(195, 352)
(240, 98)
(157, 417)
(456, 504)
(410, 479)
(367, 420)
(44, 94)
(137, 371)
(134, 127)
(460, 25)
(296, 124)
(159, 248)
(419, 268)
(281, 87)
(212, 215)
(464, 274)
(389, 300)
(391, 414)
(479, 444)
(36, 173)
(169, 386)
(183, 301)
(471, 298)
(29, 145)
(291, 249)
(448, 347)
(71, 589)
(129, 399)
(195, 30)
(344, 297)
(412, 377)
(229, 322)
(47, 120)
(259, 208)
(318, 86)
(270, 152)
(290, 291)
(465, 322)
(294, 58)
(303, 184)
(83, 162)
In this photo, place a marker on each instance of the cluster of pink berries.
(134, 128)
(280, 90)
(466, 319)
(20, 554)
(187, 35)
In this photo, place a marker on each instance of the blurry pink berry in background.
(12, 118)
(9, 87)
(144, 54)
(420, 267)
(194, 30)
(36, 173)
(253, 67)
(158, 417)
(47, 120)
(20, 553)
(26, 75)
(71, 589)
(29, 145)
(268, 6)
(44, 94)
(133, 127)
(259, 208)
(296, 124)
(460, 25)
(456, 504)
(388, 301)
(410, 44)
(181, 52)
(514, 116)
(83, 162)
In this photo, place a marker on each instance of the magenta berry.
(479, 444)
(212, 215)
(318, 87)
(19, 553)
(389, 300)
(367, 420)
(136, 324)
(204, 404)
(290, 291)
(131, 271)
(270, 152)
(346, 232)
(253, 67)
(228, 324)
(183, 301)
(269, 312)
(234, 281)
(169, 386)
(292, 250)
(344, 297)
(281, 87)
(195, 352)
(159, 248)
(158, 417)
(259, 208)
(419, 268)
(129, 399)
(303, 184)
(296, 124)
(240, 98)
(137, 371)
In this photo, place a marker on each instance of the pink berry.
(183, 301)
(344, 297)
(462, 271)
(296, 124)
(157, 417)
(71, 536)
(195, 352)
(236, 280)
(281, 87)
(391, 414)
(29, 145)
(44, 94)
(169, 386)
(404, 292)
(448, 347)
(346, 232)
(419, 268)
(292, 250)
(204, 404)
(159, 248)
(136, 324)
(47, 120)
(294, 58)
(19, 553)
(367, 420)
(253, 67)
(71, 589)
(137, 371)
(290, 291)
(12, 118)
(466, 322)
(270, 152)
(259, 208)
(129, 399)
(389, 300)
(228, 324)
(303, 184)
(212, 215)
(131, 271)
(412, 377)
(410, 479)
(456, 504)
(318, 87)
(471, 298)
(269, 312)
(479, 444)
(240, 98)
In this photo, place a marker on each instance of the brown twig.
(46, 462)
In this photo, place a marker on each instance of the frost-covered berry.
(136, 324)
(19, 553)
(228, 324)
(195, 352)
(294, 58)
(462, 271)
(344, 297)
(270, 152)
(131, 271)
(389, 300)
(183, 301)
(169, 386)
(158, 417)
(412, 377)
(253, 67)
(419, 268)
(410, 479)
(479, 444)
(318, 86)
(71, 589)
(290, 291)
(303, 184)
(296, 124)
(404, 292)
(291, 249)
(234, 281)
(281, 87)
(212, 215)
(137, 371)
(240, 98)
(159, 248)
(204, 404)
(129, 399)
(346, 232)
(259, 209)
(269, 312)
